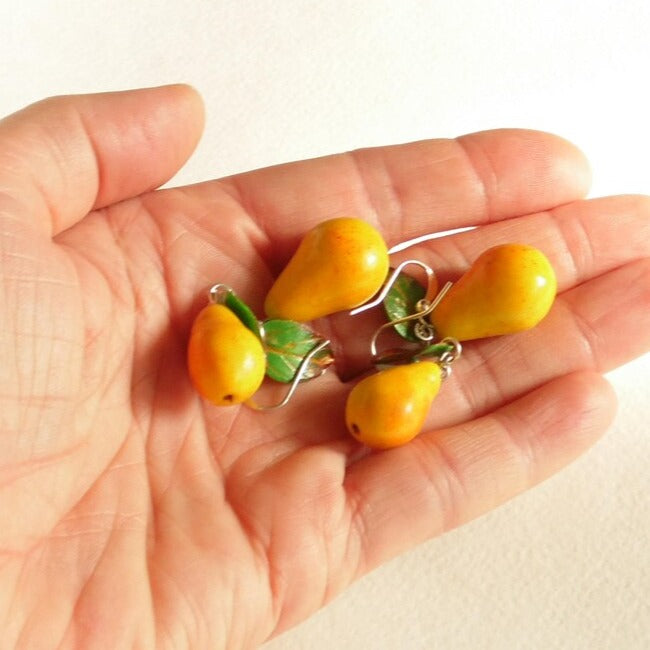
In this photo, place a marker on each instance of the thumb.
(64, 156)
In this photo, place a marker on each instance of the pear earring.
(509, 288)
(230, 352)
(388, 408)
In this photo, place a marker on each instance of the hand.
(134, 514)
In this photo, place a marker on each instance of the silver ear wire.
(424, 309)
(392, 278)
(423, 330)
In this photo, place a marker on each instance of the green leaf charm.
(287, 344)
(434, 351)
(401, 300)
(245, 314)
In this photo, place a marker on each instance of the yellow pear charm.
(508, 289)
(338, 265)
(388, 409)
(226, 361)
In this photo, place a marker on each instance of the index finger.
(413, 189)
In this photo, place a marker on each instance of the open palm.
(133, 514)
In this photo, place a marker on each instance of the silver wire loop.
(301, 374)
(424, 331)
(218, 292)
(451, 355)
(448, 357)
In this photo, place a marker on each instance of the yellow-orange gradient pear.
(339, 264)
(508, 289)
(388, 409)
(226, 361)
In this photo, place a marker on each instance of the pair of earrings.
(341, 264)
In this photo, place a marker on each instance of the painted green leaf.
(243, 312)
(400, 356)
(287, 344)
(400, 302)
(395, 357)
(434, 351)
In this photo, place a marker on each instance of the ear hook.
(428, 298)
(301, 372)
(391, 281)
(426, 308)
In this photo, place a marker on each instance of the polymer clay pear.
(388, 408)
(338, 265)
(226, 361)
(508, 289)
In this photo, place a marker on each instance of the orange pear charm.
(338, 265)
(508, 289)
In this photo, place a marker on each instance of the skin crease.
(135, 514)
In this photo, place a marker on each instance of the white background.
(568, 564)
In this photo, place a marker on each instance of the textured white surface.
(568, 564)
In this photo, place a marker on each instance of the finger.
(447, 477)
(250, 224)
(64, 156)
(580, 240)
(412, 189)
